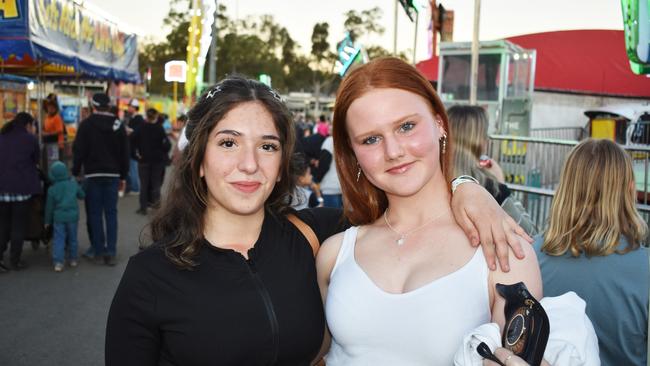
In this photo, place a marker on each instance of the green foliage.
(362, 23)
(258, 45)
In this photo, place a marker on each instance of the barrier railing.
(530, 161)
(563, 133)
(533, 165)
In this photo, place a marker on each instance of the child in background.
(62, 212)
(307, 193)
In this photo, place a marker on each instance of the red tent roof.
(579, 61)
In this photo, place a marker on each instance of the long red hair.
(363, 202)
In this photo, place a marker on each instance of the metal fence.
(532, 167)
(530, 161)
(562, 133)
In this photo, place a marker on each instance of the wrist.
(461, 179)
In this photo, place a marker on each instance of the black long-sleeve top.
(265, 310)
(101, 147)
(150, 144)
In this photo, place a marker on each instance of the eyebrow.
(238, 134)
(396, 121)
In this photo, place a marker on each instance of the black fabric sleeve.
(124, 152)
(133, 144)
(324, 163)
(166, 145)
(36, 153)
(79, 149)
(325, 221)
(132, 336)
(504, 192)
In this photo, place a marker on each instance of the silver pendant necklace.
(402, 236)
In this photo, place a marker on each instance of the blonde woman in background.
(469, 127)
(592, 247)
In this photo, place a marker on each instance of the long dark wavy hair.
(178, 225)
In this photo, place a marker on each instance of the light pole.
(475, 46)
(212, 65)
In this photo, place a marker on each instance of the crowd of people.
(107, 153)
(417, 226)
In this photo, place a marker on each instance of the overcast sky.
(499, 18)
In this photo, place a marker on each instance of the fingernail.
(493, 266)
(506, 268)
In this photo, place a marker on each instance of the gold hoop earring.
(358, 174)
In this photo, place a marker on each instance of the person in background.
(593, 247)
(19, 181)
(175, 136)
(62, 212)
(84, 113)
(323, 126)
(53, 126)
(101, 149)
(469, 131)
(133, 120)
(306, 193)
(150, 147)
(325, 176)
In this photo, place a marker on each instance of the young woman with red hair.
(405, 284)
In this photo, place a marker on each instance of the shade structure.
(62, 38)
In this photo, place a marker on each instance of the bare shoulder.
(521, 270)
(327, 254)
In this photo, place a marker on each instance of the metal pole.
(212, 71)
(173, 111)
(415, 38)
(395, 30)
(475, 46)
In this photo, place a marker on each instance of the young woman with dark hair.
(229, 280)
(404, 285)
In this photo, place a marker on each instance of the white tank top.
(425, 326)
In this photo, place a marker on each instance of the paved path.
(49, 318)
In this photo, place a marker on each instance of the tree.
(363, 23)
(250, 46)
(319, 44)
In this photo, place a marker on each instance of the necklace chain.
(402, 236)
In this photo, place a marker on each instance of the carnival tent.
(63, 38)
(590, 62)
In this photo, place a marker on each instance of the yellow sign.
(9, 9)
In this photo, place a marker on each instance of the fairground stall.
(62, 42)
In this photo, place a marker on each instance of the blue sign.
(69, 113)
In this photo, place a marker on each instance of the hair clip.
(212, 92)
(275, 94)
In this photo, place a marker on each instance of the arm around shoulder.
(132, 335)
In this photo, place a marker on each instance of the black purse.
(527, 325)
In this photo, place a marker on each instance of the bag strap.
(306, 231)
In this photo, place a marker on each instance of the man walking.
(133, 120)
(151, 149)
(102, 150)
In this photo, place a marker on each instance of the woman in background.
(592, 247)
(19, 181)
(469, 127)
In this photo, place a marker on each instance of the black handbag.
(527, 326)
